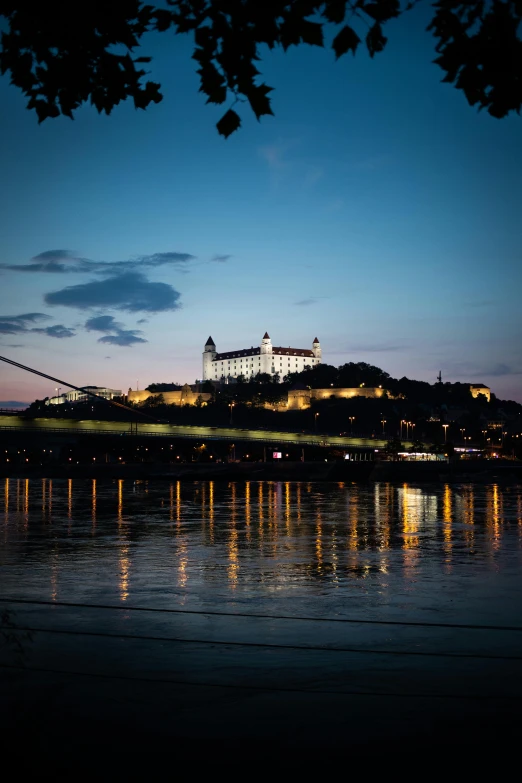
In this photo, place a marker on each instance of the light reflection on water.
(341, 549)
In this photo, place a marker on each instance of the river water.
(403, 566)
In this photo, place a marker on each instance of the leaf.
(228, 123)
(382, 10)
(335, 11)
(163, 19)
(258, 98)
(212, 83)
(311, 33)
(375, 40)
(345, 41)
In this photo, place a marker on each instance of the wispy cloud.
(123, 337)
(16, 324)
(114, 331)
(68, 262)
(131, 292)
(274, 155)
(221, 259)
(59, 331)
(22, 324)
(281, 163)
(306, 302)
(480, 303)
(500, 369)
(375, 348)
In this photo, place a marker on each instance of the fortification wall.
(303, 398)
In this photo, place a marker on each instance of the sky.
(377, 211)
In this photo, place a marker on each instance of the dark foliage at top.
(163, 387)
(63, 54)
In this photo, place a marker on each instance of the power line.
(204, 612)
(264, 688)
(268, 645)
(77, 388)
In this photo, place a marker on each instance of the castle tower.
(209, 354)
(316, 349)
(266, 344)
(266, 353)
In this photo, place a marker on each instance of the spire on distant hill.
(266, 336)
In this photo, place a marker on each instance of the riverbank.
(482, 471)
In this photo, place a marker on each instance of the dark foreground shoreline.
(480, 471)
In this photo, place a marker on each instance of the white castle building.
(267, 358)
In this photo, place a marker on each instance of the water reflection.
(275, 533)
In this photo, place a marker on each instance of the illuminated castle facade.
(267, 358)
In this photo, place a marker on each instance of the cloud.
(283, 162)
(51, 261)
(305, 302)
(102, 323)
(159, 259)
(500, 369)
(124, 337)
(16, 324)
(376, 348)
(221, 259)
(274, 154)
(115, 334)
(59, 331)
(66, 261)
(480, 303)
(131, 292)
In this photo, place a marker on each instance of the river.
(387, 575)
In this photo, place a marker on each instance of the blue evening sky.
(377, 210)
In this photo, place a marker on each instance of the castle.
(267, 358)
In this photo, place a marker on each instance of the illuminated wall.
(300, 399)
(184, 396)
(476, 390)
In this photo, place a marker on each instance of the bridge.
(72, 427)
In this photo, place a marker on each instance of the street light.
(445, 428)
(383, 422)
(402, 422)
(351, 419)
(412, 425)
(231, 406)
(462, 431)
(315, 421)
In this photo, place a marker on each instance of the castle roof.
(266, 336)
(316, 341)
(278, 351)
(210, 341)
(234, 354)
(281, 351)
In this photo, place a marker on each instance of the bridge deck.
(89, 427)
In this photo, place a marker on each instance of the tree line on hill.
(409, 410)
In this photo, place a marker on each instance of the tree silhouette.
(63, 54)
